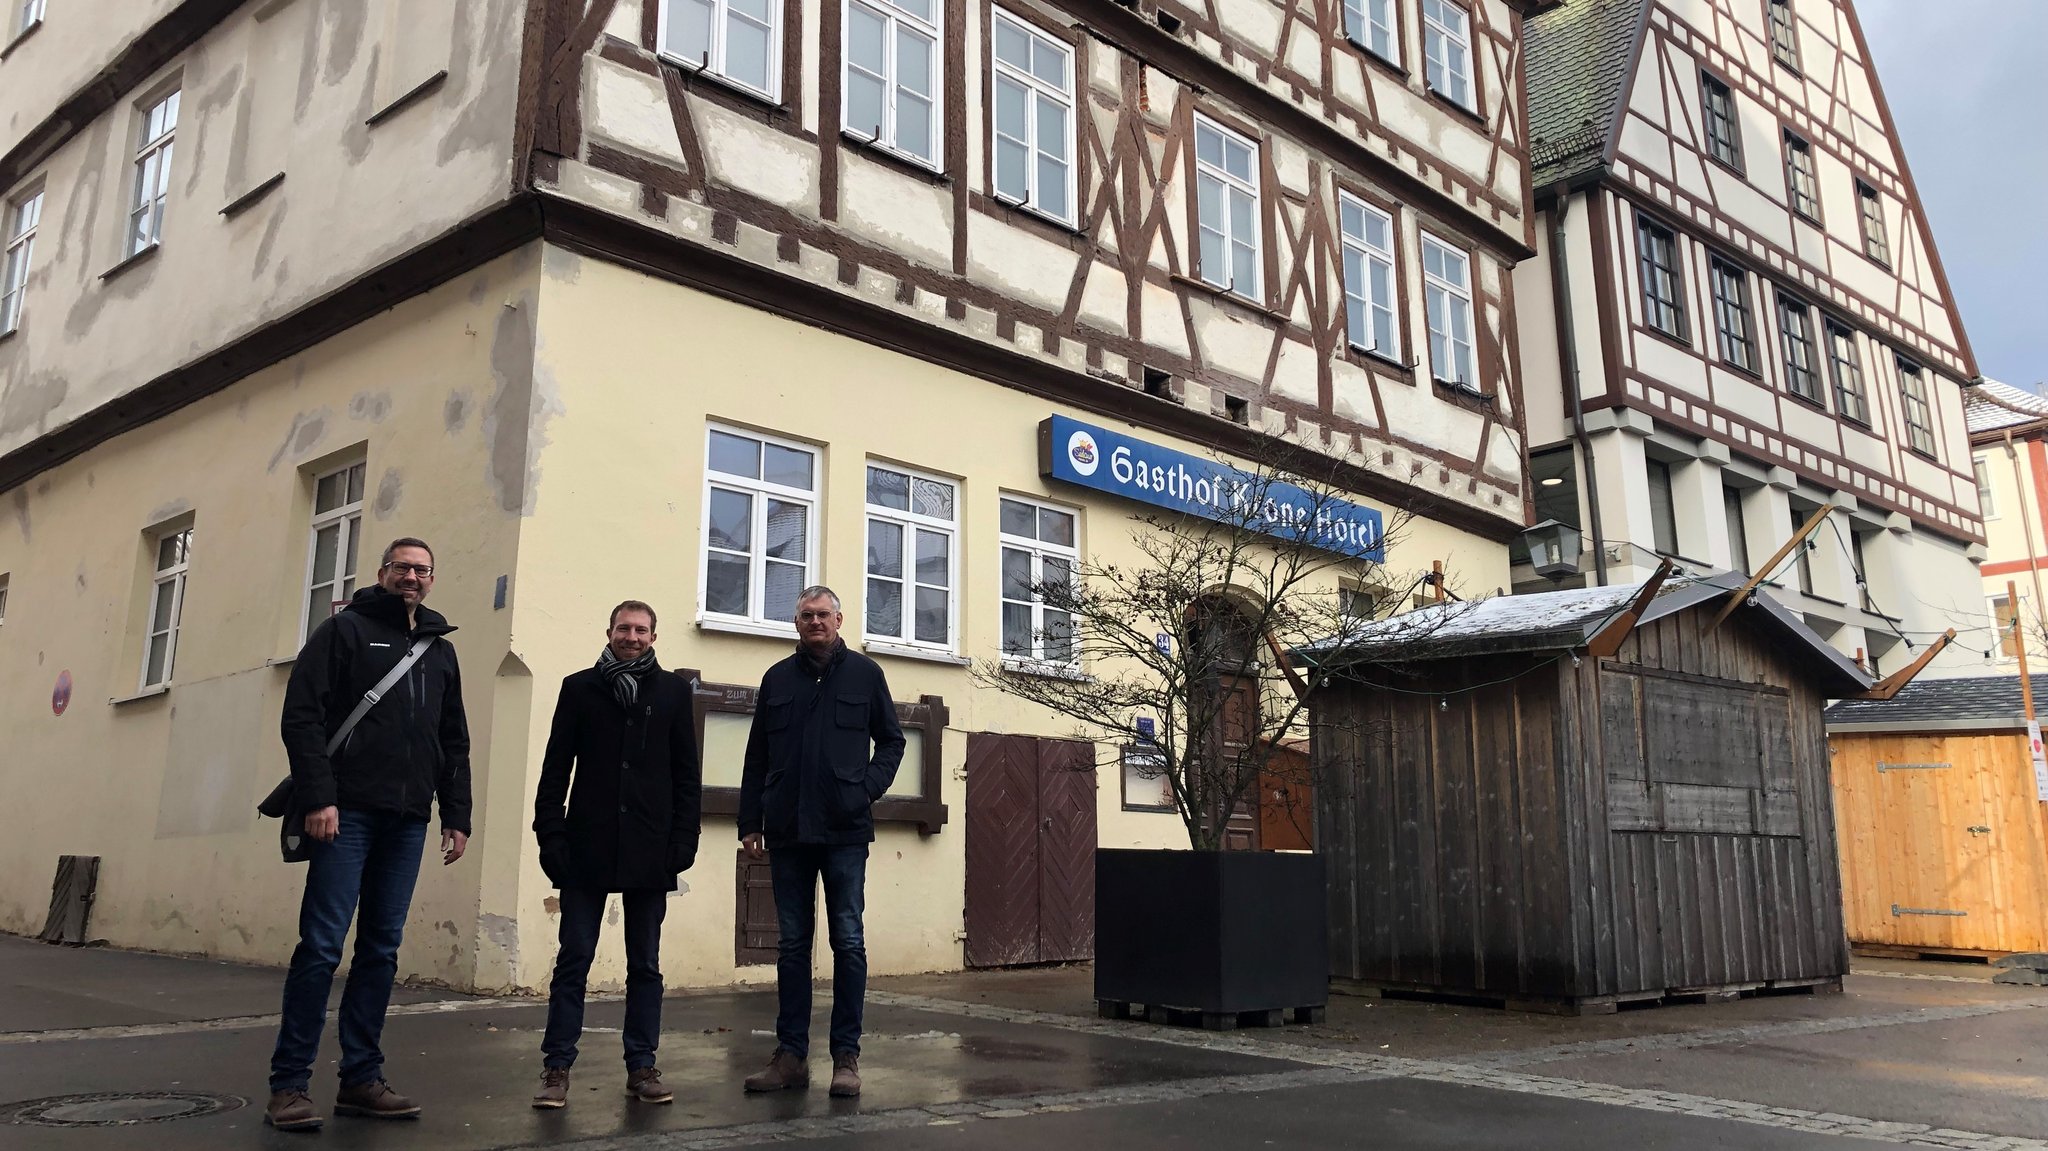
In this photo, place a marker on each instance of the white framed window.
(738, 41)
(1367, 237)
(28, 14)
(20, 237)
(1227, 207)
(1447, 292)
(1034, 119)
(166, 606)
(760, 512)
(912, 558)
(892, 76)
(333, 542)
(1987, 505)
(1370, 25)
(1041, 548)
(1447, 48)
(157, 128)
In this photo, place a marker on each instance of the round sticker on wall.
(1082, 453)
(60, 696)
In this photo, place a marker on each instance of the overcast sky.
(1965, 80)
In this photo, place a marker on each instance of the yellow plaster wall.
(635, 368)
(164, 788)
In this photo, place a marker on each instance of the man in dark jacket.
(631, 825)
(806, 795)
(366, 809)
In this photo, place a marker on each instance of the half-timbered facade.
(698, 302)
(2009, 457)
(1741, 318)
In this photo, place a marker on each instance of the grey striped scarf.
(624, 675)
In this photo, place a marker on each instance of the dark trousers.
(374, 862)
(797, 869)
(582, 915)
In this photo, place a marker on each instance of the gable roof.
(1565, 620)
(1979, 703)
(1578, 71)
(1992, 407)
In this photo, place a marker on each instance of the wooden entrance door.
(1030, 850)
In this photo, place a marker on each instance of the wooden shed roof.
(1566, 620)
(1975, 703)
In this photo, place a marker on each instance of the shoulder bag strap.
(371, 696)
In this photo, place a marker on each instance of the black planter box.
(1221, 933)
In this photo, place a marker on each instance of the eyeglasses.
(815, 616)
(424, 571)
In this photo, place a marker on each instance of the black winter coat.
(409, 750)
(809, 775)
(634, 793)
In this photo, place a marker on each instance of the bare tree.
(1196, 632)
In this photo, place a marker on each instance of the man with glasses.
(366, 805)
(824, 746)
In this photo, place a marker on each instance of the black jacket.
(633, 802)
(412, 748)
(809, 776)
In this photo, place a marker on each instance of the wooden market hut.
(1569, 800)
(1944, 850)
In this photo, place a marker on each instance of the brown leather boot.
(784, 1070)
(374, 1100)
(845, 1075)
(292, 1111)
(554, 1089)
(646, 1086)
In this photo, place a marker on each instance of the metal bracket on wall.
(1897, 910)
(1882, 766)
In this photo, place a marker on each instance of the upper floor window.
(1918, 412)
(760, 500)
(1802, 184)
(1227, 207)
(911, 557)
(166, 606)
(1034, 121)
(1986, 505)
(1663, 290)
(1846, 366)
(1784, 34)
(892, 75)
(1040, 552)
(1717, 113)
(20, 237)
(1876, 242)
(29, 13)
(1368, 241)
(159, 124)
(1447, 296)
(1733, 320)
(734, 40)
(1370, 24)
(337, 528)
(1663, 508)
(1447, 49)
(1795, 332)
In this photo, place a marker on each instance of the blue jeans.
(582, 915)
(796, 869)
(374, 860)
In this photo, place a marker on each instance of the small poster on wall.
(1146, 786)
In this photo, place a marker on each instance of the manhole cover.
(120, 1108)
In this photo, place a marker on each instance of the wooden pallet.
(1590, 1004)
(1207, 1020)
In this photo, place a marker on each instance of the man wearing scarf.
(807, 794)
(622, 755)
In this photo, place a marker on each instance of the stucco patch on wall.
(28, 402)
(390, 490)
(21, 515)
(306, 430)
(204, 116)
(371, 406)
(344, 21)
(502, 930)
(561, 265)
(207, 780)
(516, 418)
(455, 411)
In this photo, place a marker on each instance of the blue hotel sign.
(1092, 457)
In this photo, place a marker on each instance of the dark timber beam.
(1892, 683)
